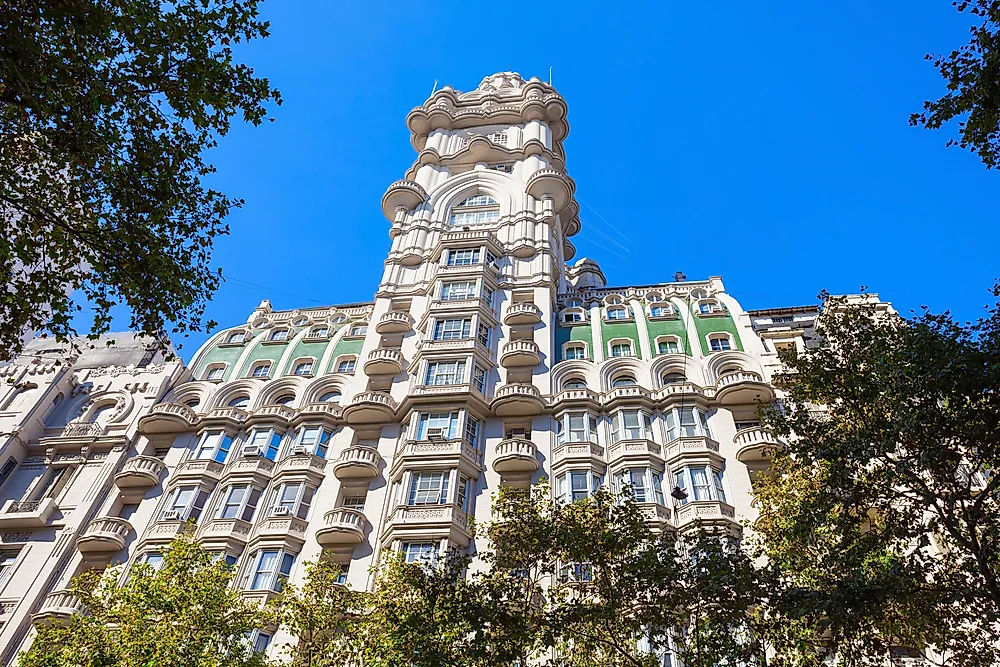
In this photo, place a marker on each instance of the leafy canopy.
(883, 515)
(106, 110)
(973, 75)
(182, 615)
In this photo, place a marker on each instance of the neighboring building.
(487, 357)
(69, 456)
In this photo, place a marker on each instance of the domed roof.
(497, 83)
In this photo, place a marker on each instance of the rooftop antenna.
(550, 75)
(434, 89)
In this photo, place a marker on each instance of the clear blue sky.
(764, 142)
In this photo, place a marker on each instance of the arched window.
(624, 381)
(285, 399)
(101, 413)
(578, 351)
(574, 383)
(261, 370)
(239, 402)
(710, 307)
(617, 313)
(661, 310)
(330, 397)
(215, 372)
(719, 342)
(621, 348)
(673, 378)
(478, 209)
(667, 345)
(193, 402)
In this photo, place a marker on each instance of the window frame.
(218, 451)
(429, 487)
(300, 506)
(589, 428)
(245, 508)
(565, 487)
(271, 446)
(619, 427)
(258, 579)
(725, 340)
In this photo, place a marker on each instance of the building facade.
(70, 450)
(489, 356)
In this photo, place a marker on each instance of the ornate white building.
(73, 468)
(487, 357)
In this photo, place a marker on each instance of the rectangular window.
(429, 488)
(271, 569)
(264, 440)
(658, 488)
(292, 498)
(575, 352)
(458, 291)
(458, 329)
(446, 421)
(699, 482)
(213, 445)
(487, 296)
(719, 491)
(314, 438)
(747, 424)
(8, 468)
(465, 257)
(635, 481)
(471, 431)
(689, 423)
(484, 335)
(185, 503)
(154, 560)
(720, 344)
(354, 503)
(579, 488)
(621, 349)
(239, 502)
(7, 560)
(463, 493)
(474, 217)
(479, 378)
(445, 372)
(667, 347)
(419, 552)
(215, 373)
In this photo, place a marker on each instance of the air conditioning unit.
(281, 511)
(435, 434)
(171, 515)
(251, 450)
(300, 449)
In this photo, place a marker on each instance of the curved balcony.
(357, 463)
(235, 532)
(105, 535)
(658, 517)
(251, 468)
(57, 607)
(271, 414)
(329, 413)
(756, 445)
(405, 194)
(518, 399)
(342, 527)
(702, 513)
(742, 387)
(140, 472)
(232, 418)
(26, 513)
(524, 312)
(370, 407)
(520, 353)
(394, 322)
(167, 418)
(384, 361)
(515, 455)
(428, 521)
(307, 464)
(553, 184)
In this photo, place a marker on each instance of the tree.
(181, 615)
(883, 516)
(106, 109)
(973, 75)
(322, 617)
(601, 588)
